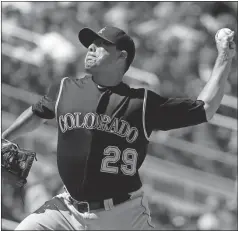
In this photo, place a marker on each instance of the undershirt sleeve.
(172, 113)
(45, 107)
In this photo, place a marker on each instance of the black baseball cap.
(112, 35)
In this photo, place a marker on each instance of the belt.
(86, 206)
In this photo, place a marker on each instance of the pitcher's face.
(101, 55)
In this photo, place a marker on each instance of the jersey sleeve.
(171, 113)
(45, 107)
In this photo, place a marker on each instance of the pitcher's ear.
(123, 54)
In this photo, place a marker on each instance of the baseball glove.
(16, 163)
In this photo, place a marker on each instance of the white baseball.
(223, 33)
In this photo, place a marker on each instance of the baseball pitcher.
(103, 133)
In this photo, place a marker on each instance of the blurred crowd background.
(174, 41)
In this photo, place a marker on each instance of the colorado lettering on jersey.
(100, 122)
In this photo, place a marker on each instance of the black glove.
(16, 163)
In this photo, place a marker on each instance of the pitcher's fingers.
(232, 45)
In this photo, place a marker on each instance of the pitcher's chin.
(88, 67)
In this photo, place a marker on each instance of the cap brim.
(87, 37)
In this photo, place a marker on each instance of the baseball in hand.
(223, 33)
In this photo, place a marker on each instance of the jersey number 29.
(113, 154)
